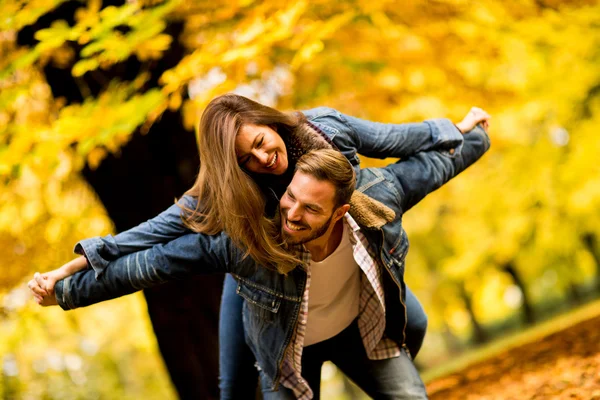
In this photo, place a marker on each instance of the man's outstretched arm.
(179, 259)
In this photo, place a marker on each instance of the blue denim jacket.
(272, 301)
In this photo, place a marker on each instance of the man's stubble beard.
(316, 234)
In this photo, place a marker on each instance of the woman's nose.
(261, 156)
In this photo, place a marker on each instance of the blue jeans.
(393, 378)
(238, 375)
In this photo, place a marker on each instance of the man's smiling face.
(306, 208)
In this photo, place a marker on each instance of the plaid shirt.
(371, 318)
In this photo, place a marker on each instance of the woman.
(255, 148)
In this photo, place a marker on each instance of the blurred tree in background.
(98, 104)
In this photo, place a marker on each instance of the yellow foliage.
(534, 68)
(95, 157)
(154, 48)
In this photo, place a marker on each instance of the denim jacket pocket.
(400, 247)
(261, 304)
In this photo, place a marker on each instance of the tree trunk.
(136, 185)
(141, 182)
(479, 335)
(574, 295)
(590, 241)
(528, 313)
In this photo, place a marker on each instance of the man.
(344, 303)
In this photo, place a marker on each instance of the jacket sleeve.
(166, 226)
(421, 174)
(183, 257)
(381, 140)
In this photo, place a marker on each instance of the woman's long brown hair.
(228, 198)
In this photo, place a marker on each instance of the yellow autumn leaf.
(95, 157)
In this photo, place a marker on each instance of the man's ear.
(341, 211)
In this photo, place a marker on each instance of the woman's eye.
(260, 142)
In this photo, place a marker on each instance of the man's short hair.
(330, 165)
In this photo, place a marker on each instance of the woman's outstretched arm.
(163, 228)
(381, 140)
(98, 252)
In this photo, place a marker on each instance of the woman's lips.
(274, 162)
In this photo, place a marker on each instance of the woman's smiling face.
(260, 150)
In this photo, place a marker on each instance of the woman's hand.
(42, 285)
(474, 117)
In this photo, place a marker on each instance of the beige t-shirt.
(334, 293)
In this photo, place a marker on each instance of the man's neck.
(323, 246)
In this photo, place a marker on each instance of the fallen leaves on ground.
(563, 365)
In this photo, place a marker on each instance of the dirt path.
(563, 365)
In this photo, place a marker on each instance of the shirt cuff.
(446, 134)
(98, 251)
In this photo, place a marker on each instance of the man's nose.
(261, 156)
(294, 214)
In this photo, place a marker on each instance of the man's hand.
(42, 287)
(474, 117)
